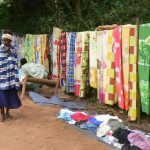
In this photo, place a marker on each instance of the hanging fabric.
(102, 47)
(93, 59)
(29, 47)
(110, 94)
(132, 72)
(56, 52)
(117, 47)
(78, 53)
(71, 62)
(144, 67)
(125, 63)
(63, 49)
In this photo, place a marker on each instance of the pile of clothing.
(109, 129)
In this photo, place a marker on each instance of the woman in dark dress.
(9, 77)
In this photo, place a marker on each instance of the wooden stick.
(42, 81)
(137, 83)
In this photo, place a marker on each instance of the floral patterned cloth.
(144, 66)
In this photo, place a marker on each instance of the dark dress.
(9, 79)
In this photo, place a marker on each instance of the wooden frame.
(47, 82)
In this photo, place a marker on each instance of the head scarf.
(7, 36)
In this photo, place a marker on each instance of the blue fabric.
(70, 79)
(37, 98)
(94, 121)
(9, 76)
(9, 99)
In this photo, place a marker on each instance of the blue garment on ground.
(37, 98)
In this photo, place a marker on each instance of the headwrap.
(7, 36)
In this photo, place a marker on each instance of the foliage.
(39, 16)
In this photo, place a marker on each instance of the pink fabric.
(79, 117)
(118, 66)
(139, 140)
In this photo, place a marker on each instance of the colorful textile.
(102, 47)
(110, 97)
(78, 53)
(9, 76)
(56, 52)
(84, 85)
(118, 65)
(63, 47)
(125, 63)
(29, 48)
(93, 60)
(132, 72)
(37, 49)
(18, 43)
(44, 51)
(144, 67)
(71, 64)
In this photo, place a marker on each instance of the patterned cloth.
(18, 43)
(144, 67)
(102, 47)
(132, 72)
(78, 53)
(93, 59)
(63, 49)
(125, 63)
(9, 77)
(118, 66)
(70, 76)
(56, 52)
(84, 86)
(110, 96)
(29, 48)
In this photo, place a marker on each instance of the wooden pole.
(137, 83)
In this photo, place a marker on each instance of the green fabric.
(144, 67)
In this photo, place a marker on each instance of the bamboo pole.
(137, 83)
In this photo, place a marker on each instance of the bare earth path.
(35, 127)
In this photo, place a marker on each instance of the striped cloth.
(9, 77)
(70, 76)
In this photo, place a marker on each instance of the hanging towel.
(78, 53)
(63, 49)
(110, 96)
(44, 51)
(93, 59)
(102, 47)
(132, 72)
(118, 65)
(144, 67)
(125, 63)
(29, 48)
(56, 52)
(84, 86)
(71, 63)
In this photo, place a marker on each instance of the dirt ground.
(35, 127)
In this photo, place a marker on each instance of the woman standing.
(9, 78)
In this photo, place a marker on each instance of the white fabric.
(34, 70)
